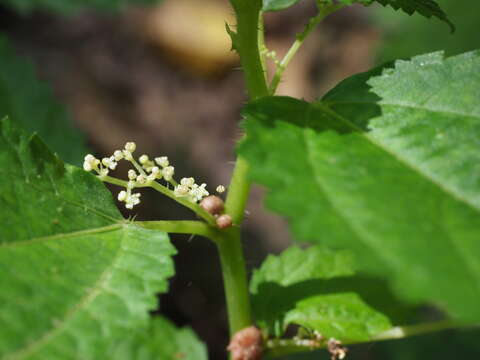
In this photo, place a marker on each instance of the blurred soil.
(164, 77)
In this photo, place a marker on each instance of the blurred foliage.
(407, 36)
(30, 102)
(69, 6)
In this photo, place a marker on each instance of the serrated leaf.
(62, 6)
(76, 278)
(391, 172)
(162, 340)
(427, 8)
(30, 102)
(294, 288)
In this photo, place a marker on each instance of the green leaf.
(341, 316)
(391, 172)
(286, 290)
(162, 340)
(62, 6)
(31, 103)
(76, 278)
(404, 37)
(427, 8)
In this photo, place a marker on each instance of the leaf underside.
(391, 170)
(76, 278)
(427, 8)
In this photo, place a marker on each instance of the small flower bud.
(143, 159)
(162, 161)
(141, 179)
(212, 204)
(122, 195)
(130, 147)
(181, 190)
(168, 172)
(118, 155)
(132, 175)
(187, 181)
(220, 189)
(224, 221)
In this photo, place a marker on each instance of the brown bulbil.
(246, 344)
(212, 204)
(224, 221)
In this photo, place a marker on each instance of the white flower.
(168, 172)
(141, 179)
(109, 163)
(103, 172)
(155, 170)
(197, 193)
(220, 189)
(132, 175)
(118, 155)
(130, 147)
(162, 161)
(181, 190)
(132, 200)
(188, 181)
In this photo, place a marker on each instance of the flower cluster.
(190, 190)
(146, 171)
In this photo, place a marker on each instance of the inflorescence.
(146, 172)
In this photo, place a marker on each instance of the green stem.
(248, 41)
(282, 347)
(323, 12)
(234, 279)
(238, 191)
(180, 227)
(248, 18)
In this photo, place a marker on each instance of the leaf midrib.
(454, 244)
(396, 156)
(72, 234)
(91, 294)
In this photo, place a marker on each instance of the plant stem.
(228, 242)
(180, 227)
(323, 12)
(167, 192)
(281, 347)
(234, 279)
(248, 19)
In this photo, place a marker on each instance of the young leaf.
(427, 8)
(62, 6)
(286, 290)
(162, 340)
(392, 173)
(76, 278)
(30, 102)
